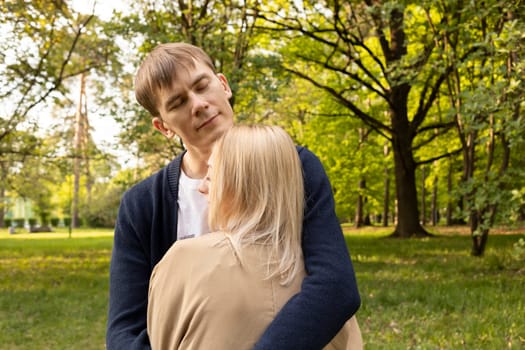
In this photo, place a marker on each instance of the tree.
(44, 44)
(82, 166)
(38, 42)
(383, 51)
(487, 92)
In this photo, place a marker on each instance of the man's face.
(196, 108)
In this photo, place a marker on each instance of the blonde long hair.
(257, 194)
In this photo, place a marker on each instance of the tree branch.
(445, 155)
(357, 111)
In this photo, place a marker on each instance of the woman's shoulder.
(188, 249)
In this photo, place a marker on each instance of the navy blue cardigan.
(147, 226)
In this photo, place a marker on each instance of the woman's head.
(256, 190)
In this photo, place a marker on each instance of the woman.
(221, 290)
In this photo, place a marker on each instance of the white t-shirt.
(193, 208)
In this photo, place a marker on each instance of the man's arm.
(128, 285)
(329, 294)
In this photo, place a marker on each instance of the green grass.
(416, 294)
(431, 294)
(53, 290)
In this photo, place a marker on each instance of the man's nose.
(199, 104)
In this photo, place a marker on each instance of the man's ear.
(158, 124)
(225, 84)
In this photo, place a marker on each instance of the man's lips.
(206, 122)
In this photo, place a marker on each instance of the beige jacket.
(203, 296)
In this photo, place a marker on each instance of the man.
(178, 85)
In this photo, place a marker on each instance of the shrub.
(67, 221)
(55, 221)
(44, 219)
(7, 222)
(32, 222)
(19, 222)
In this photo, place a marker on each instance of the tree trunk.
(479, 243)
(366, 218)
(360, 219)
(423, 197)
(2, 204)
(408, 224)
(86, 152)
(480, 236)
(386, 198)
(77, 149)
(434, 205)
(449, 192)
(358, 222)
(3, 199)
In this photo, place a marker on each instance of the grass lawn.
(416, 294)
(53, 289)
(431, 294)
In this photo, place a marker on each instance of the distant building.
(18, 208)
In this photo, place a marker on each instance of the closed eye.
(179, 102)
(202, 85)
(174, 102)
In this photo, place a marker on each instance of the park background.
(415, 108)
